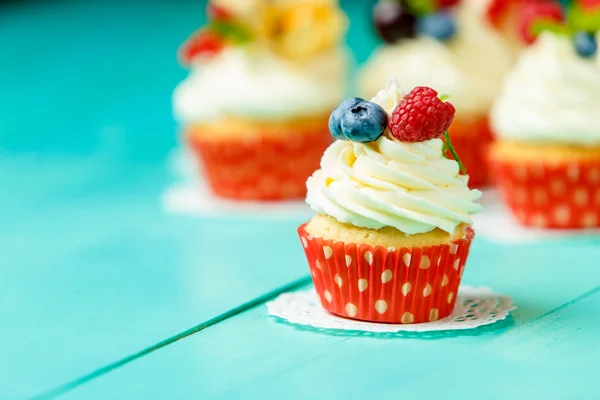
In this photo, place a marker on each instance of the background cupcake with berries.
(547, 119)
(392, 229)
(458, 47)
(264, 76)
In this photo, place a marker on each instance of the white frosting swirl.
(409, 186)
(252, 82)
(469, 67)
(552, 96)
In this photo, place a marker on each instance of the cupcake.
(264, 76)
(454, 48)
(547, 120)
(392, 229)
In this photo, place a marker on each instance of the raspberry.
(590, 5)
(497, 9)
(446, 3)
(421, 116)
(204, 43)
(537, 12)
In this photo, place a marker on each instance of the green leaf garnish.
(444, 97)
(543, 25)
(449, 147)
(581, 20)
(234, 32)
(421, 7)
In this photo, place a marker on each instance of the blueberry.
(393, 20)
(336, 116)
(585, 44)
(364, 122)
(440, 26)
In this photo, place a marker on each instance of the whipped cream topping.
(253, 82)
(469, 67)
(409, 186)
(552, 96)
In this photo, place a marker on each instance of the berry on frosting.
(440, 25)
(203, 44)
(585, 44)
(537, 16)
(421, 116)
(358, 120)
(364, 122)
(393, 21)
(335, 119)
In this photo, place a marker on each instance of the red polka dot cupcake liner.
(375, 284)
(555, 196)
(261, 168)
(471, 141)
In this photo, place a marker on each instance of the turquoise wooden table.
(102, 295)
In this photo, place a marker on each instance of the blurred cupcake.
(547, 119)
(392, 232)
(264, 76)
(452, 46)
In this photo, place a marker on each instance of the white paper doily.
(190, 196)
(496, 224)
(474, 307)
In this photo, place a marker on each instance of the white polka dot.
(453, 248)
(369, 257)
(573, 172)
(450, 297)
(520, 172)
(406, 288)
(581, 196)
(386, 276)
(425, 262)
(520, 195)
(407, 318)
(406, 258)
(381, 306)
(540, 197)
(456, 263)
(351, 310)
(445, 280)
(589, 220)
(427, 290)
(539, 221)
(362, 285)
(318, 263)
(594, 176)
(327, 296)
(433, 314)
(562, 215)
(391, 249)
(348, 260)
(338, 280)
(557, 186)
(537, 170)
(304, 243)
(328, 251)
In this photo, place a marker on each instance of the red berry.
(590, 5)
(217, 12)
(421, 116)
(537, 11)
(204, 43)
(446, 3)
(497, 9)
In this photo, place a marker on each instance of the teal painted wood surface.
(92, 271)
(253, 356)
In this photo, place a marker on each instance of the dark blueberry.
(393, 21)
(364, 122)
(336, 117)
(440, 26)
(585, 44)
